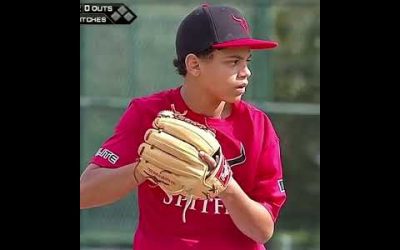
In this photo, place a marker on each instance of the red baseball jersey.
(251, 146)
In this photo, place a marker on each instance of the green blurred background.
(119, 62)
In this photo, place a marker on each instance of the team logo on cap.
(242, 23)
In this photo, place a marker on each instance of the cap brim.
(247, 42)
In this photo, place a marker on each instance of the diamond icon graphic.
(122, 10)
(128, 17)
(115, 16)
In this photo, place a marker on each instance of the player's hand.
(139, 178)
(212, 164)
(208, 159)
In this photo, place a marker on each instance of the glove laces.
(188, 202)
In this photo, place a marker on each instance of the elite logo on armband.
(108, 155)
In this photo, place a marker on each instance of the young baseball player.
(213, 46)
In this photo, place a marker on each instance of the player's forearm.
(101, 186)
(249, 216)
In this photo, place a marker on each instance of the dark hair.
(180, 63)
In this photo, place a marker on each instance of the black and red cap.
(215, 27)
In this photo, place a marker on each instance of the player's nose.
(245, 72)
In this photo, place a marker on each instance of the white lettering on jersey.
(218, 205)
(179, 200)
(205, 202)
(169, 201)
(204, 206)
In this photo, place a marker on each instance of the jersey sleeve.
(121, 147)
(269, 190)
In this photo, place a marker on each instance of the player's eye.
(235, 62)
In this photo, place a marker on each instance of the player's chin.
(234, 98)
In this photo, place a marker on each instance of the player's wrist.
(229, 190)
(138, 178)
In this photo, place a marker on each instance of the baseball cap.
(217, 27)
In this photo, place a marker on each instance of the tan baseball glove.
(169, 157)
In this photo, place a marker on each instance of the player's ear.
(192, 65)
